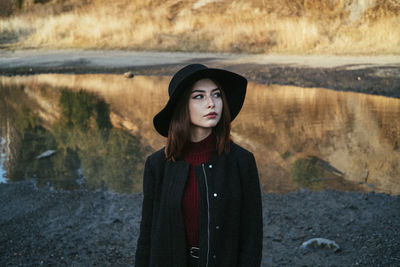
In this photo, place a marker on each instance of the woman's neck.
(199, 133)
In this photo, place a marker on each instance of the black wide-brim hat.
(233, 85)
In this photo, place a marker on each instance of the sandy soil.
(85, 228)
(117, 59)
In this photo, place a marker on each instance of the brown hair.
(179, 127)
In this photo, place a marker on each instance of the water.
(3, 178)
(100, 127)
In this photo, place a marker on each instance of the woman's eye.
(197, 96)
(218, 94)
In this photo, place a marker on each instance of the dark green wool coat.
(230, 212)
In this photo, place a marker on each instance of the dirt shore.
(366, 74)
(40, 226)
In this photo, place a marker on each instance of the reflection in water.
(3, 178)
(354, 136)
(312, 138)
(85, 150)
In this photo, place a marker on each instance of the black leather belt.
(194, 252)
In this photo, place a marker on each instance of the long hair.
(179, 127)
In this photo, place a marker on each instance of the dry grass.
(268, 26)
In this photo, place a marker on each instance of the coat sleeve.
(251, 222)
(142, 256)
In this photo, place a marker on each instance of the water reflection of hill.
(357, 134)
(312, 138)
(86, 150)
(133, 102)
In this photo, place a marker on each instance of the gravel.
(40, 226)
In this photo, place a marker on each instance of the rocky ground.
(40, 226)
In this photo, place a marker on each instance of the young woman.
(202, 200)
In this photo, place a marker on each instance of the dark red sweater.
(195, 154)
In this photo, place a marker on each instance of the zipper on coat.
(208, 215)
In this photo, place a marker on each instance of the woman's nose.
(210, 102)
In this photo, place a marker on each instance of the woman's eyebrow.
(203, 91)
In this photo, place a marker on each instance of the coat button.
(210, 166)
(217, 227)
(214, 257)
(215, 195)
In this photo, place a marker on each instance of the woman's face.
(205, 104)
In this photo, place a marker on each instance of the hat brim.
(234, 86)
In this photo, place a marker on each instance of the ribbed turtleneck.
(194, 153)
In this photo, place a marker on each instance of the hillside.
(268, 26)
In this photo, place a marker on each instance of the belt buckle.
(194, 252)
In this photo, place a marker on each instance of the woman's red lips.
(211, 115)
